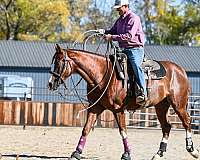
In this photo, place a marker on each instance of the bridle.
(64, 66)
(60, 80)
(67, 64)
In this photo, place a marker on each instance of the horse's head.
(60, 68)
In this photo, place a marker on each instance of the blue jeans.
(135, 56)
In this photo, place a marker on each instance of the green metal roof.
(39, 54)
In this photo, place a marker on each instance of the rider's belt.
(135, 46)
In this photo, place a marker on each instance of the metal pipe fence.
(145, 118)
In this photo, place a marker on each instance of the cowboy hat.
(119, 3)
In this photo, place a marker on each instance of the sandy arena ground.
(57, 143)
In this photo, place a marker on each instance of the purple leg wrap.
(127, 147)
(81, 144)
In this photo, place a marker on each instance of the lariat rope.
(80, 98)
(90, 106)
(84, 48)
(74, 86)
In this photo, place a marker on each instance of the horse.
(105, 91)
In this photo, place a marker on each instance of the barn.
(33, 59)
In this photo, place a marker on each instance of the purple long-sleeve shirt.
(127, 30)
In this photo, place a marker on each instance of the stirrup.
(141, 99)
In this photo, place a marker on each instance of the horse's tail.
(189, 84)
(189, 90)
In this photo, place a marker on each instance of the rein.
(95, 33)
(74, 86)
(59, 76)
(90, 106)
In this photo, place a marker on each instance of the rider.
(127, 30)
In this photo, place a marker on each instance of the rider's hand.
(101, 31)
(108, 37)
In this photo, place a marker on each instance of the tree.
(77, 19)
(173, 25)
(32, 19)
(191, 28)
(100, 15)
(66, 20)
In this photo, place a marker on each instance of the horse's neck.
(90, 67)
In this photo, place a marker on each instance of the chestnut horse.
(96, 70)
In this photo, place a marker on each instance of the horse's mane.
(87, 52)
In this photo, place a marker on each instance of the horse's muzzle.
(54, 82)
(53, 85)
(50, 86)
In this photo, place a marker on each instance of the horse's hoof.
(75, 156)
(156, 157)
(195, 153)
(126, 156)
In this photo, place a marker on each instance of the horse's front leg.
(120, 118)
(91, 119)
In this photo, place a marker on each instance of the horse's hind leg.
(91, 119)
(120, 118)
(161, 111)
(182, 113)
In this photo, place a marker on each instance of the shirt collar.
(123, 16)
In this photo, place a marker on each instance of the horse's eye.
(52, 67)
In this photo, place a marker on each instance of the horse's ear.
(58, 48)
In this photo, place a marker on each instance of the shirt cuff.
(115, 37)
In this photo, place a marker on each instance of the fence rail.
(65, 114)
(52, 114)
